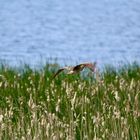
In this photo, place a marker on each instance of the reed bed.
(77, 107)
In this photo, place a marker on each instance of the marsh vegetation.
(70, 107)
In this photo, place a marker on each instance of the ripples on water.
(73, 31)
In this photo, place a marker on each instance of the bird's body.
(77, 68)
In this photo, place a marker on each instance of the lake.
(70, 31)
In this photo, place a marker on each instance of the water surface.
(75, 31)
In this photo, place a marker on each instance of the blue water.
(73, 31)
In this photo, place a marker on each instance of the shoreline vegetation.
(70, 107)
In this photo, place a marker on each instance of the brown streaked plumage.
(77, 68)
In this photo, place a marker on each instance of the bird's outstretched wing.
(60, 70)
(78, 67)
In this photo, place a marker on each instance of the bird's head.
(91, 66)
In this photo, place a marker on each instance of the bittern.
(77, 68)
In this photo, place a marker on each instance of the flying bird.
(77, 68)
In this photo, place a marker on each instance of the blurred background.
(69, 31)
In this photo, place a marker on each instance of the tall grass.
(33, 106)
